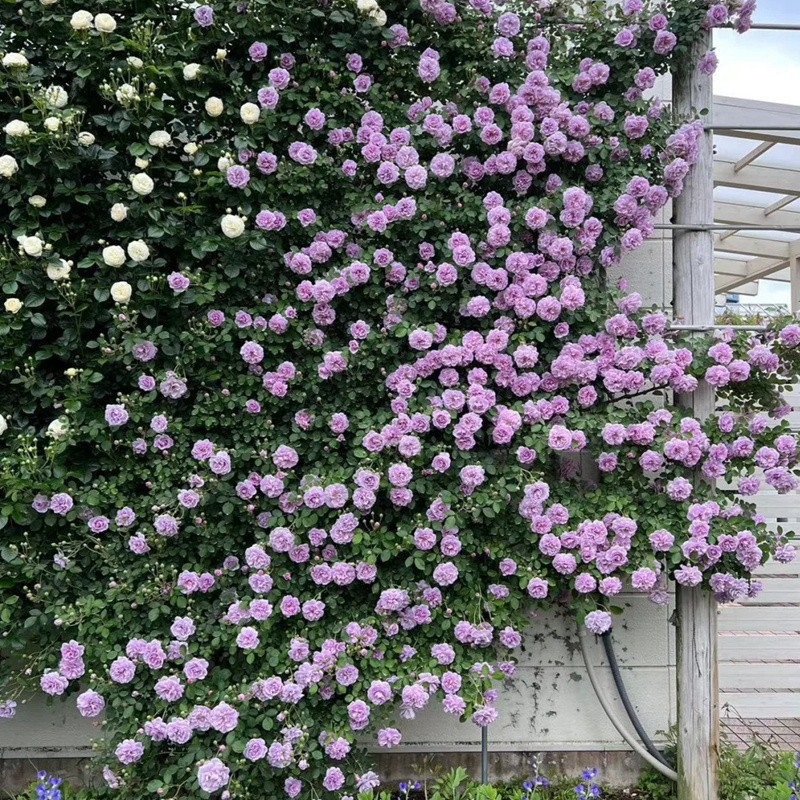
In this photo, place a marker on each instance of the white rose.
(85, 138)
(52, 124)
(378, 17)
(135, 62)
(232, 226)
(159, 139)
(17, 128)
(223, 162)
(119, 211)
(191, 71)
(32, 245)
(121, 292)
(57, 429)
(105, 23)
(14, 60)
(3, 425)
(37, 201)
(114, 255)
(8, 166)
(138, 250)
(81, 21)
(365, 6)
(214, 106)
(190, 148)
(56, 96)
(142, 163)
(221, 54)
(12, 305)
(126, 94)
(249, 113)
(58, 272)
(142, 183)
(48, 2)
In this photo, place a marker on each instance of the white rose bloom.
(17, 128)
(135, 62)
(365, 6)
(223, 162)
(3, 425)
(121, 292)
(378, 17)
(37, 201)
(142, 163)
(12, 305)
(81, 21)
(232, 226)
(57, 429)
(48, 2)
(8, 166)
(249, 113)
(119, 211)
(114, 255)
(105, 23)
(126, 94)
(159, 139)
(52, 124)
(214, 106)
(221, 54)
(191, 148)
(58, 272)
(14, 60)
(32, 245)
(85, 138)
(56, 96)
(138, 250)
(142, 183)
(191, 71)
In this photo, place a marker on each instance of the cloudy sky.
(763, 65)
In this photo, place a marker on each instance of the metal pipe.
(718, 226)
(717, 327)
(485, 755)
(611, 657)
(752, 128)
(583, 635)
(580, 23)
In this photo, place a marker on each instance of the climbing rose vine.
(313, 381)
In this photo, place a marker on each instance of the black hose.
(608, 644)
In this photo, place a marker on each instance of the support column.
(794, 278)
(693, 303)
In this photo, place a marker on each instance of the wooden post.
(794, 277)
(693, 303)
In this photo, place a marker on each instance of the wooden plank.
(777, 619)
(776, 590)
(766, 705)
(739, 676)
(769, 647)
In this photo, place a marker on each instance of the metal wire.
(702, 328)
(716, 226)
(752, 128)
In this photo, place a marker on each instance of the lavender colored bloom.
(204, 16)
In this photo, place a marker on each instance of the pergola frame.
(741, 256)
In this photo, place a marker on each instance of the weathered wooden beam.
(693, 303)
(750, 157)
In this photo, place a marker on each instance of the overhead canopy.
(756, 182)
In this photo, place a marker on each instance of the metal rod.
(717, 226)
(752, 128)
(485, 755)
(774, 26)
(702, 328)
(759, 26)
